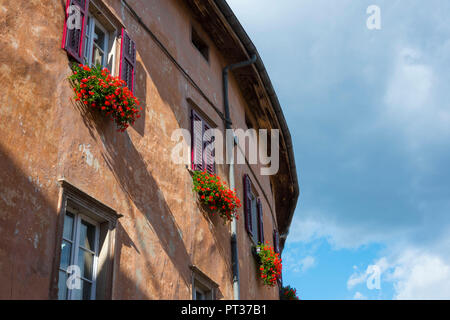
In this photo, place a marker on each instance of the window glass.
(87, 235)
(66, 250)
(68, 226)
(99, 46)
(62, 291)
(254, 213)
(81, 251)
(86, 40)
(84, 292)
(86, 263)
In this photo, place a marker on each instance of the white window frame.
(89, 41)
(78, 217)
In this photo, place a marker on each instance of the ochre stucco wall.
(45, 136)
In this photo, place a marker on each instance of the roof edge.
(242, 35)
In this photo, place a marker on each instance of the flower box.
(270, 264)
(215, 196)
(288, 293)
(96, 88)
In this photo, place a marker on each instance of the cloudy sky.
(369, 115)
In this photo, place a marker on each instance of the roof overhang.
(224, 29)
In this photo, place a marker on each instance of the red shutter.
(276, 241)
(248, 205)
(127, 60)
(260, 222)
(197, 142)
(73, 36)
(208, 155)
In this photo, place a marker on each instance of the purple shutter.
(276, 241)
(248, 204)
(260, 222)
(73, 37)
(127, 60)
(197, 141)
(208, 156)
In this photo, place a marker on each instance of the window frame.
(200, 44)
(93, 212)
(91, 23)
(202, 283)
(205, 144)
(254, 216)
(76, 245)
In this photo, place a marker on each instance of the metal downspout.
(230, 155)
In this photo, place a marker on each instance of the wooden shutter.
(127, 60)
(260, 222)
(276, 241)
(248, 204)
(73, 37)
(197, 141)
(208, 154)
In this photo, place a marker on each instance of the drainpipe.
(234, 247)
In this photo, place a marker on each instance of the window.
(276, 241)
(85, 266)
(91, 38)
(253, 212)
(203, 288)
(96, 43)
(201, 45)
(79, 248)
(202, 149)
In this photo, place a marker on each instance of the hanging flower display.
(96, 88)
(288, 293)
(216, 195)
(270, 264)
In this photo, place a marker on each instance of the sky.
(369, 115)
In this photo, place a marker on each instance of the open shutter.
(127, 60)
(276, 241)
(209, 150)
(74, 28)
(248, 205)
(197, 142)
(260, 222)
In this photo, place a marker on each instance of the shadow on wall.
(27, 234)
(130, 171)
(140, 91)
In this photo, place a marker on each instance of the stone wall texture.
(45, 136)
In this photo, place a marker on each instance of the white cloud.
(414, 274)
(421, 276)
(307, 263)
(414, 100)
(293, 263)
(369, 114)
(359, 296)
(310, 226)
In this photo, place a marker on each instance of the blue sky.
(369, 115)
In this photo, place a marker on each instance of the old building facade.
(74, 191)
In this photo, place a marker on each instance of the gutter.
(250, 47)
(228, 123)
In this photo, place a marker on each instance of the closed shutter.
(260, 222)
(197, 141)
(248, 204)
(276, 241)
(127, 60)
(74, 28)
(209, 150)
